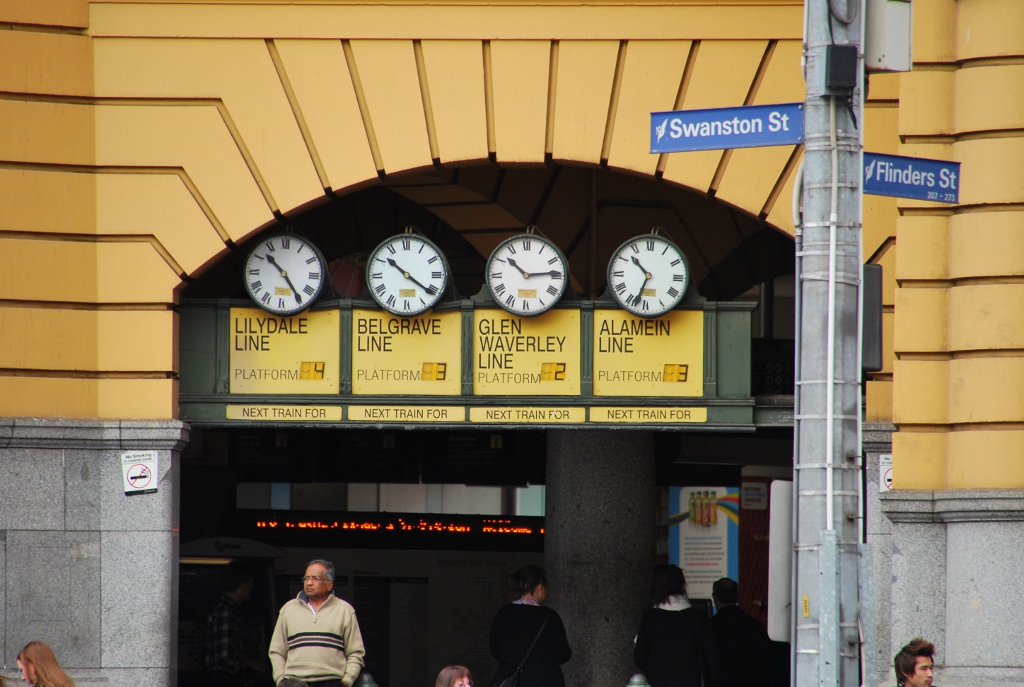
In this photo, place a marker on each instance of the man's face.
(315, 583)
(922, 676)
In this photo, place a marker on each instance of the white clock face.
(648, 275)
(407, 275)
(284, 274)
(527, 274)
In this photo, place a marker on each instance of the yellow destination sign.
(526, 356)
(526, 414)
(265, 413)
(284, 355)
(648, 415)
(406, 413)
(636, 356)
(406, 355)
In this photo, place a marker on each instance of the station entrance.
(425, 501)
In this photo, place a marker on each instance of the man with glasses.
(317, 638)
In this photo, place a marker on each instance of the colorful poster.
(704, 535)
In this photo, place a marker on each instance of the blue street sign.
(912, 177)
(751, 126)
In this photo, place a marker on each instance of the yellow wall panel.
(884, 86)
(84, 272)
(921, 320)
(450, 21)
(70, 13)
(880, 215)
(926, 103)
(987, 28)
(721, 77)
(586, 70)
(888, 346)
(991, 170)
(985, 460)
(323, 87)
(989, 98)
(919, 391)
(57, 133)
(934, 26)
(192, 137)
(882, 129)
(986, 390)
(387, 70)
(924, 249)
(159, 205)
(242, 74)
(519, 72)
(919, 460)
(87, 340)
(50, 63)
(879, 401)
(888, 262)
(455, 77)
(139, 399)
(986, 316)
(986, 244)
(49, 201)
(781, 213)
(650, 82)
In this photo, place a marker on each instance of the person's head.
(454, 676)
(668, 580)
(39, 666)
(914, 665)
(239, 581)
(529, 582)
(725, 592)
(318, 580)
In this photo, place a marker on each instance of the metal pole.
(827, 523)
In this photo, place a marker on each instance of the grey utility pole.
(832, 631)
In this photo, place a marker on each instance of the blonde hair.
(44, 664)
(449, 675)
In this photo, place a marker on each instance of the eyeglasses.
(312, 578)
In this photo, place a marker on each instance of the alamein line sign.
(750, 126)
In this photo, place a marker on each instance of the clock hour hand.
(521, 270)
(270, 259)
(637, 263)
(407, 275)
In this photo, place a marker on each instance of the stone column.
(599, 546)
(957, 558)
(876, 438)
(84, 568)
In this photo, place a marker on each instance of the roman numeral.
(406, 244)
(435, 275)
(432, 260)
(499, 289)
(635, 248)
(556, 275)
(392, 249)
(406, 305)
(270, 246)
(377, 275)
(552, 261)
(280, 303)
(650, 245)
(431, 290)
(526, 306)
(672, 292)
(258, 257)
(620, 273)
(526, 244)
(286, 243)
(620, 288)
(266, 297)
(552, 290)
(542, 247)
(254, 273)
(664, 251)
(675, 262)
(677, 277)
(315, 276)
(510, 300)
(422, 246)
(380, 289)
(646, 306)
(255, 286)
(301, 246)
(308, 290)
(495, 275)
(391, 299)
(310, 261)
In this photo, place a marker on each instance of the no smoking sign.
(139, 472)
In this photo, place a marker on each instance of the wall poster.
(703, 537)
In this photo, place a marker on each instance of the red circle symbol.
(139, 476)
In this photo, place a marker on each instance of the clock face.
(527, 274)
(648, 275)
(407, 275)
(284, 274)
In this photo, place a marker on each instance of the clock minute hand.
(408, 275)
(270, 259)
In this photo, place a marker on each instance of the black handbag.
(513, 679)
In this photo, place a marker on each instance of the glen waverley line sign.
(751, 126)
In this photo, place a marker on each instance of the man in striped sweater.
(317, 637)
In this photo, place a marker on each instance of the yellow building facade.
(142, 142)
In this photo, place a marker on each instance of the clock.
(284, 274)
(648, 275)
(407, 274)
(527, 274)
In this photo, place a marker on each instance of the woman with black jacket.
(515, 626)
(675, 646)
